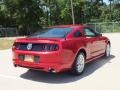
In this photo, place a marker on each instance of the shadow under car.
(65, 77)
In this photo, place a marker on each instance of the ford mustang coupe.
(60, 48)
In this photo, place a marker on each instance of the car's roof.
(67, 26)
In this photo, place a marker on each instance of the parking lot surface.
(102, 74)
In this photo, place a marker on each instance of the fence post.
(113, 26)
(95, 27)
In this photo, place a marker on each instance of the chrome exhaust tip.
(51, 70)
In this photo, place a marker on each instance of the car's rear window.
(52, 33)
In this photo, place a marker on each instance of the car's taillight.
(36, 47)
(51, 47)
(16, 46)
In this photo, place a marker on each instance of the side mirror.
(77, 34)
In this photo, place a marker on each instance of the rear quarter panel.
(71, 48)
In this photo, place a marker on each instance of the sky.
(106, 1)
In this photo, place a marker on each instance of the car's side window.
(89, 33)
(77, 34)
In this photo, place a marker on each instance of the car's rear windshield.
(52, 33)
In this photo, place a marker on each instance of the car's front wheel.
(79, 64)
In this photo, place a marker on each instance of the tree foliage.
(27, 14)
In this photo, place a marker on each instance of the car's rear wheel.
(79, 64)
(107, 51)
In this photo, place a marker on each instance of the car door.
(93, 40)
(101, 43)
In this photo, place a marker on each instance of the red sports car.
(60, 48)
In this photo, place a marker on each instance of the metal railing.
(106, 27)
(8, 32)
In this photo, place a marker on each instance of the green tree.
(27, 13)
(116, 12)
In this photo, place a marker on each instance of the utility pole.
(49, 14)
(73, 17)
(110, 9)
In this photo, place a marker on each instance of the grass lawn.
(5, 44)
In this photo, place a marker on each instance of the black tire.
(79, 64)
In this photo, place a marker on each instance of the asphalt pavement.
(102, 74)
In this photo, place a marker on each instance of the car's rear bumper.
(47, 67)
(49, 62)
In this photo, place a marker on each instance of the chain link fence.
(106, 27)
(8, 32)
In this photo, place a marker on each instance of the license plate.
(29, 58)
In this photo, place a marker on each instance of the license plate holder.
(29, 58)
